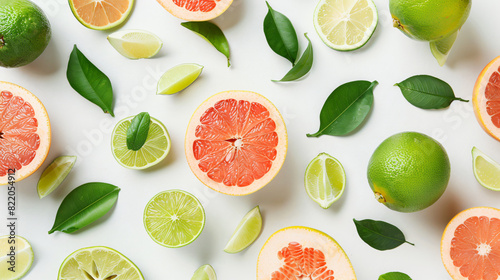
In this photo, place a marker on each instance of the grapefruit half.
(101, 15)
(196, 10)
(470, 247)
(24, 132)
(303, 253)
(236, 142)
(486, 98)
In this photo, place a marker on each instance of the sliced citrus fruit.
(486, 170)
(470, 246)
(101, 15)
(135, 44)
(486, 98)
(236, 142)
(246, 233)
(178, 78)
(98, 263)
(174, 218)
(205, 272)
(324, 180)
(24, 132)
(196, 10)
(23, 255)
(345, 25)
(151, 153)
(303, 253)
(54, 175)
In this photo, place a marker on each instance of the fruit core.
(197, 5)
(492, 94)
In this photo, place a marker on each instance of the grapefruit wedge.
(24, 132)
(196, 10)
(470, 246)
(303, 253)
(101, 14)
(486, 98)
(236, 142)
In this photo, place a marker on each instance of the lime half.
(99, 263)
(54, 175)
(345, 25)
(178, 78)
(246, 233)
(205, 272)
(152, 152)
(135, 44)
(324, 180)
(23, 254)
(486, 170)
(174, 218)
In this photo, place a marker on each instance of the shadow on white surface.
(47, 63)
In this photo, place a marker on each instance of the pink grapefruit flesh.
(196, 10)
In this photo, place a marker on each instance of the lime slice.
(152, 152)
(23, 257)
(98, 263)
(486, 170)
(246, 233)
(174, 218)
(135, 44)
(54, 175)
(441, 49)
(324, 180)
(345, 25)
(178, 78)
(205, 272)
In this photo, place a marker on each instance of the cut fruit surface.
(24, 132)
(101, 15)
(246, 233)
(178, 78)
(303, 253)
(196, 10)
(135, 44)
(486, 98)
(98, 263)
(54, 175)
(23, 254)
(205, 272)
(236, 142)
(325, 180)
(470, 246)
(486, 170)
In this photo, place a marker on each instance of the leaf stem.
(460, 99)
(410, 243)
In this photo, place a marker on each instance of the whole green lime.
(429, 20)
(409, 171)
(24, 32)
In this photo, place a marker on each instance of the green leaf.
(89, 81)
(345, 108)
(281, 35)
(427, 92)
(394, 276)
(380, 235)
(137, 132)
(84, 205)
(302, 67)
(212, 33)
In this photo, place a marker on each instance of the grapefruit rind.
(123, 17)
(185, 14)
(335, 257)
(281, 148)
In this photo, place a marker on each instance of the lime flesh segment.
(486, 170)
(24, 257)
(325, 180)
(152, 152)
(178, 78)
(345, 25)
(98, 263)
(174, 218)
(441, 49)
(246, 233)
(135, 44)
(54, 175)
(205, 272)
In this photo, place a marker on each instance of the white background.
(80, 128)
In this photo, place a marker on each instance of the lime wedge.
(246, 233)
(486, 170)
(174, 218)
(135, 44)
(54, 175)
(324, 180)
(178, 78)
(441, 49)
(345, 25)
(205, 272)
(152, 152)
(98, 263)
(23, 254)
